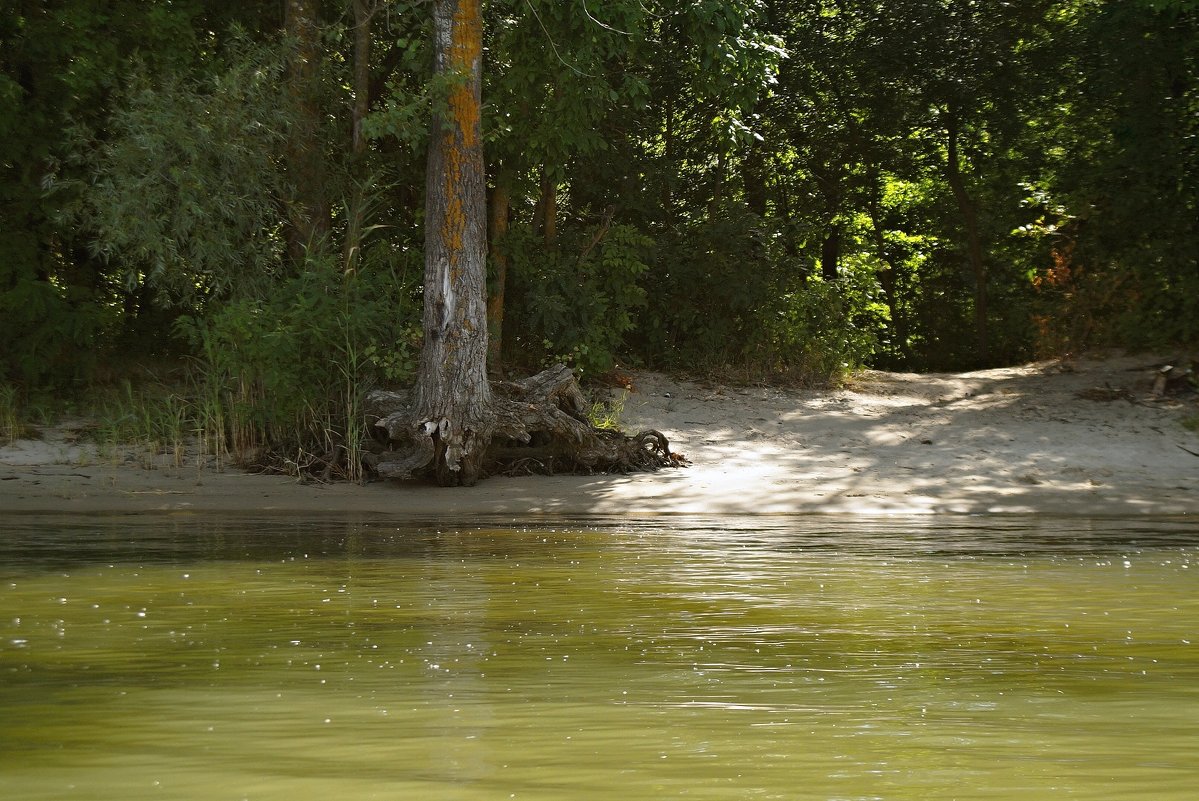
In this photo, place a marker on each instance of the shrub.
(280, 376)
(576, 303)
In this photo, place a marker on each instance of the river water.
(788, 658)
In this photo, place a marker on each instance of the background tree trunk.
(887, 274)
(545, 211)
(454, 398)
(352, 247)
(830, 253)
(309, 210)
(363, 11)
(500, 204)
(753, 177)
(974, 247)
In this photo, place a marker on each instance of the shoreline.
(1081, 438)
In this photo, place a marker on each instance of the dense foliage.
(771, 188)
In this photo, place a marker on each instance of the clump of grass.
(1191, 423)
(12, 426)
(152, 421)
(605, 414)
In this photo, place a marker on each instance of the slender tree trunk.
(790, 246)
(501, 198)
(352, 248)
(887, 275)
(753, 177)
(668, 148)
(716, 201)
(549, 210)
(309, 210)
(362, 74)
(454, 397)
(974, 248)
(830, 253)
(830, 182)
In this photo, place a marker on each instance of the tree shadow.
(983, 443)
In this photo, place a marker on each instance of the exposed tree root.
(537, 425)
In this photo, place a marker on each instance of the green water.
(180, 658)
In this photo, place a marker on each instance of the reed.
(145, 423)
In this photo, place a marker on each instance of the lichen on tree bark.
(453, 405)
(447, 428)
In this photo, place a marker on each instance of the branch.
(605, 224)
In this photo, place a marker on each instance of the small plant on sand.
(11, 427)
(606, 414)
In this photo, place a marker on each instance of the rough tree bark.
(453, 426)
(453, 405)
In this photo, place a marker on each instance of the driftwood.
(1168, 380)
(1173, 379)
(1105, 393)
(537, 425)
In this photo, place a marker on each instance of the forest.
(219, 207)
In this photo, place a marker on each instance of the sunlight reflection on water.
(773, 658)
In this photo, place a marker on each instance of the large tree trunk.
(974, 248)
(448, 426)
(454, 398)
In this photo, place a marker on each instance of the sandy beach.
(1071, 437)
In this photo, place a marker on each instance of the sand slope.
(1078, 437)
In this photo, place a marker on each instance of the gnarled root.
(538, 425)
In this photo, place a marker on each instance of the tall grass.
(279, 379)
(147, 421)
(232, 419)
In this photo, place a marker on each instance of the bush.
(50, 331)
(280, 376)
(819, 333)
(572, 308)
(710, 283)
(182, 189)
(723, 295)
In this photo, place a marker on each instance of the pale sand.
(1013, 440)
